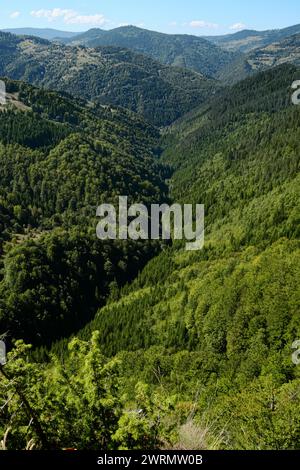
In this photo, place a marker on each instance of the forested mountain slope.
(232, 60)
(196, 351)
(180, 50)
(107, 75)
(60, 159)
(212, 331)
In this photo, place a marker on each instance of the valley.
(125, 344)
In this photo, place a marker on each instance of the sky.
(198, 17)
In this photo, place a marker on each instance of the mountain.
(177, 50)
(44, 33)
(247, 40)
(277, 53)
(220, 322)
(86, 37)
(107, 75)
(143, 345)
(59, 159)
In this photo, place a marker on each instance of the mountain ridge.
(44, 33)
(286, 50)
(181, 50)
(241, 41)
(108, 75)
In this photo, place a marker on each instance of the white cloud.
(203, 24)
(173, 23)
(51, 14)
(70, 16)
(98, 19)
(15, 15)
(237, 26)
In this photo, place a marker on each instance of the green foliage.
(86, 392)
(53, 284)
(214, 329)
(55, 271)
(199, 341)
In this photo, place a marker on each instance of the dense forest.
(59, 161)
(211, 332)
(143, 345)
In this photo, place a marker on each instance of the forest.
(144, 345)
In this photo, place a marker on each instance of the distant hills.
(285, 51)
(247, 40)
(188, 51)
(45, 33)
(229, 57)
(180, 50)
(107, 75)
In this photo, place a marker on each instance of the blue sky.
(199, 17)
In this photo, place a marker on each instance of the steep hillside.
(178, 50)
(211, 331)
(141, 345)
(60, 159)
(107, 75)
